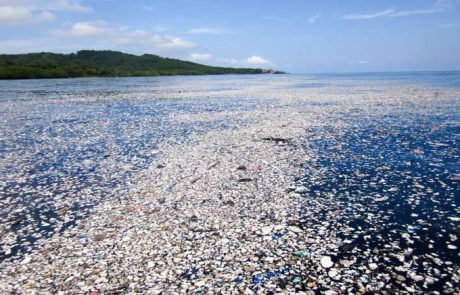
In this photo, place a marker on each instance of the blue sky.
(292, 35)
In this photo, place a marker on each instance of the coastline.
(264, 72)
(106, 63)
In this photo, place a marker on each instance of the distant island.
(105, 63)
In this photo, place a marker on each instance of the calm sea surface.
(426, 79)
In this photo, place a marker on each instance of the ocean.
(66, 145)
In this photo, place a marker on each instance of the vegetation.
(90, 63)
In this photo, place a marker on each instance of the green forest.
(91, 63)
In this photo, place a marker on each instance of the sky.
(298, 36)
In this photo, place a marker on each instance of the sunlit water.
(67, 144)
(394, 183)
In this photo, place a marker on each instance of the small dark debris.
(229, 203)
(244, 179)
(99, 237)
(276, 139)
(189, 274)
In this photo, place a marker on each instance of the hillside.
(90, 63)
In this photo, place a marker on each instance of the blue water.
(393, 177)
(62, 137)
(67, 144)
(437, 79)
(129, 87)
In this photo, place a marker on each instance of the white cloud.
(88, 29)
(47, 44)
(147, 8)
(83, 30)
(257, 60)
(205, 30)
(385, 12)
(251, 61)
(113, 35)
(12, 15)
(46, 16)
(448, 26)
(438, 7)
(131, 38)
(312, 19)
(156, 41)
(231, 61)
(171, 43)
(200, 56)
(52, 5)
(66, 5)
(416, 12)
(18, 12)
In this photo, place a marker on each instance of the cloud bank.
(206, 30)
(19, 12)
(114, 35)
